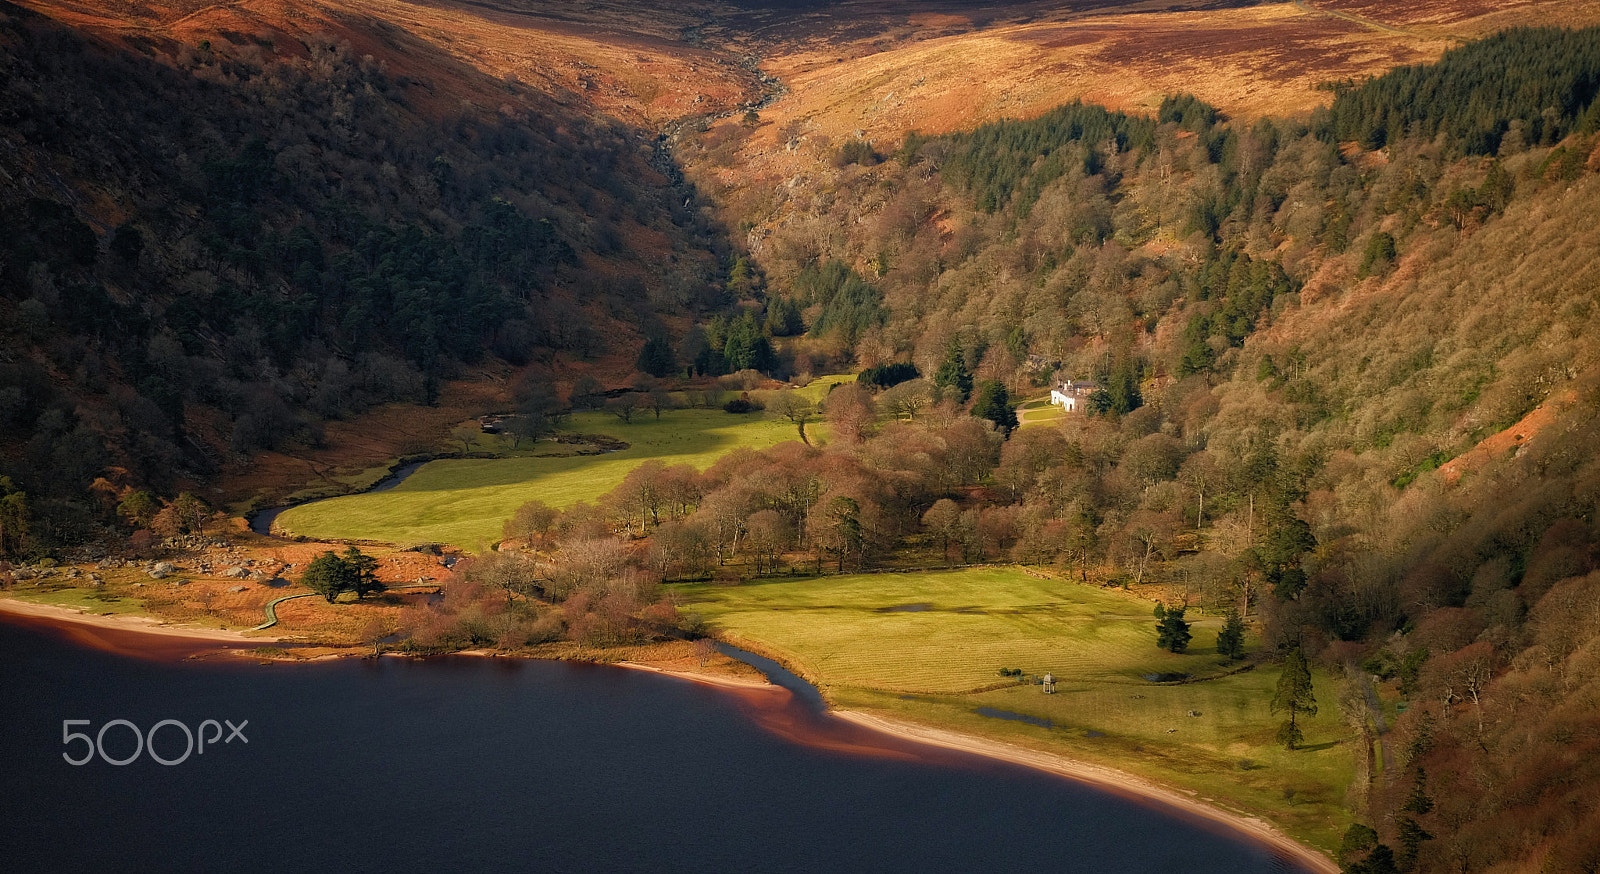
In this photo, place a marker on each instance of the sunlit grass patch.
(466, 501)
(929, 647)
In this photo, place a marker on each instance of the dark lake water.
(465, 763)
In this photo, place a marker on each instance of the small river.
(261, 520)
(462, 763)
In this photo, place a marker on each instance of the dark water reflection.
(464, 763)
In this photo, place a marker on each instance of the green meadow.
(929, 647)
(465, 502)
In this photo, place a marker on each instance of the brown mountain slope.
(607, 58)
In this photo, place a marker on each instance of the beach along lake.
(460, 762)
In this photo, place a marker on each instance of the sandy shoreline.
(707, 679)
(140, 624)
(1106, 778)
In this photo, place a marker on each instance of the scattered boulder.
(108, 563)
(236, 573)
(163, 567)
(155, 574)
(236, 588)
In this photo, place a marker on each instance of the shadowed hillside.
(211, 248)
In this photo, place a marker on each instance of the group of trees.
(319, 239)
(1298, 342)
(1295, 372)
(331, 575)
(1120, 497)
(1534, 85)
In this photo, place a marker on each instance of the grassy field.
(466, 501)
(1039, 411)
(88, 600)
(939, 661)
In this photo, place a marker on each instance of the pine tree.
(656, 357)
(1410, 836)
(953, 373)
(362, 572)
(1379, 861)
(994, 404)
(783, 318)
(1294, 696)
(747, 348)
(1172, 633)
(1230, 642)
(1419, 801)
(328, 576)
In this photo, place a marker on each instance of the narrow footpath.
(1305, 6)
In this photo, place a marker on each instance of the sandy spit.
(707, 679)
(140, 624)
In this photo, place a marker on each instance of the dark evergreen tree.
(1230, 641)
(1410, 836)
(1012, 161)
(1380, 861)
(1358, 838)
(1172, 633)
(953, 373)
(656, 357)
(1419, 801)
(1379, 256)
(848, 303)
(1118, 393)
(362, 570)
(329, 576)
(747, 348)
(994, 404)
(783, 318)
(1294, 696)
(888, 375)
(1288, 539)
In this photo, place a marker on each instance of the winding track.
(271, 607)
(1305, 6)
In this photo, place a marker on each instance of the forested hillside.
(207, 249)
(1350, 387)
(1345, 380)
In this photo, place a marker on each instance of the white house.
(1070, 396)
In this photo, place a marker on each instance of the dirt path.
(1375, 708)
(1037, 416)
(1305, 6)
